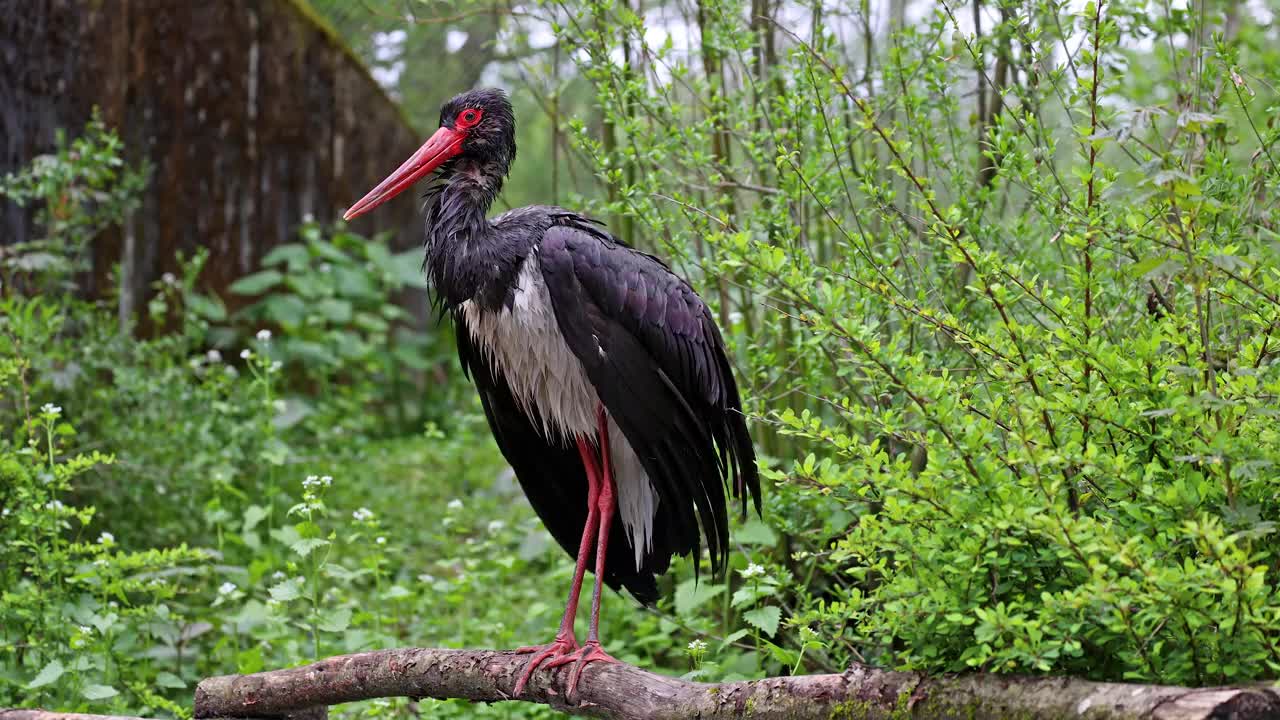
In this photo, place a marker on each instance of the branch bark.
(626, 692)
(629, 693)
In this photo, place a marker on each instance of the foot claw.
(557, 649)
(588, 653)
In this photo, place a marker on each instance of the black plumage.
(567, 332)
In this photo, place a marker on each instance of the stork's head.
(477, 130)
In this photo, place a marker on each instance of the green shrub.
(1006, 314)
(333, 299)
(81, 188)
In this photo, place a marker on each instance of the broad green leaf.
(256, 283)
(305, 546)
(734, 637)
(690, 595)
(209, 308)
(295, 256)
(100, 692)
(169, 680)
(749, 594)
(253, 515)
(334, 310)
(286, 590)
(766, 619)
(755, 532)
(48, 674)
(287, 311)
(335, 621)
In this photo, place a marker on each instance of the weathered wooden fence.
(252, 113)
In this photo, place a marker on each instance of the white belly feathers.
(525, 347)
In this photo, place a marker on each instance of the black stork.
(602, 374)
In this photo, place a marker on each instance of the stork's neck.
(466, 258)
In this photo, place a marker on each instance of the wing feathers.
(651, 350)
(551, 474)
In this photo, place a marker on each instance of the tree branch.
(629, 693)
(626, 692)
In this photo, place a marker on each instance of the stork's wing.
(653, 352)
(550, 473)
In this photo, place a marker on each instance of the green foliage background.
(1001, 282)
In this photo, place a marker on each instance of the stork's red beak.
(441, 146)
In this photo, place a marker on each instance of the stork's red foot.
(565, 645)
(588, 653)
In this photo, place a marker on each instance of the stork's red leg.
(607, 500)
(565, 643)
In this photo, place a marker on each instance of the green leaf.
(287, 311)
(766, 619)
(755, 532)
(354, 283)
(690, 595)
(408, 266)
(1146, 265)
(48, 674)
(286, 590)
(328, 251)
(99, 692)
(253, 515)
(256, 283)
(335, 311)
(209, 308)
(169, 680)
(733, 637)
(335, 621)
(293, 254)
(305, 546)
(749, 594)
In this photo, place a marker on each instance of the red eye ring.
(469, 117)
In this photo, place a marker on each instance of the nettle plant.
(1005, 283)
(76, 611)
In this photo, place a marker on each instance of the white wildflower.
(245, 354)
(51, 409)
(195, 363)
(308, 218)
(278, 575)
(362, 515)
(85, 630)
(454, 504)
(213, 356)
(106, 538)
(168, 279)
(264, 335)
(53, 505)
(753, 570)
(326, 480)
(426, 578)
(381, 540)
(495, 526)
(4, 512)
(698, 646)
(226, 588)
(275, 366)
(311, 481)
